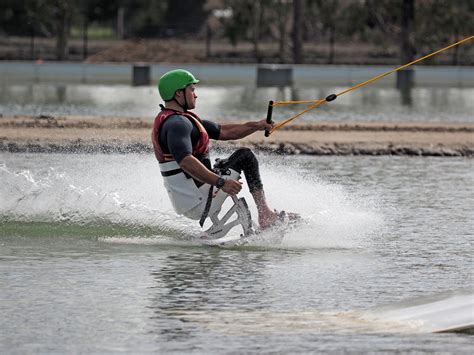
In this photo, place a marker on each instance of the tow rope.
(332, 97)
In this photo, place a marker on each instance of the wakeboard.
(255, 236)
(239, 217)
(226, 241)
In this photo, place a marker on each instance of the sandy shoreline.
(132, 135)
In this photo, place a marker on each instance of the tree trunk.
(120, 22)
(407, 52)
(32, 44)
(256, 29)
(407, 48)
(62, 29)
(282, 18)
(455, 59)
(332, 40)
(85, 38)
(297, 31)
(208, 40)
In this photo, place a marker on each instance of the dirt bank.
(97, 134)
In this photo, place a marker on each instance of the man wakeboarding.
(181, 144)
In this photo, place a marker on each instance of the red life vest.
(200, 148)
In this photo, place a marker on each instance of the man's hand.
(232, 187)
(263, 125)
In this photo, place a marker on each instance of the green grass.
(94, 32)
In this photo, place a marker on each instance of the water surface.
(92, 258)
(240, 102)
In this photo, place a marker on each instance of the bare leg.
(266, 216)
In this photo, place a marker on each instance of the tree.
(95, 11)
(448, 22)
(144, 18)
(329, 15)
(283, 11)
(183, 17)
(52, 18)
(62, 13)
(407, 40)
(298, 6)
(248, 22)
(38, 22)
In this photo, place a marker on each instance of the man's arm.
(180, 146)
(241, 130)
(197, 170)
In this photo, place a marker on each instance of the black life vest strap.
(185, 107)
(172, 172)
(208, 206)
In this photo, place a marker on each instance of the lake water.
(240, 102)
(92, 258)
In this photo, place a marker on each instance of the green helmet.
(173, 81)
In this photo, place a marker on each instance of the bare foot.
(268, 219)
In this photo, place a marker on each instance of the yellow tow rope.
(332, 97)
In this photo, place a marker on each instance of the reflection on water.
(203, 281)
(240, 102)
(406, 96)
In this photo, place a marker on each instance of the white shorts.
(217, 200)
